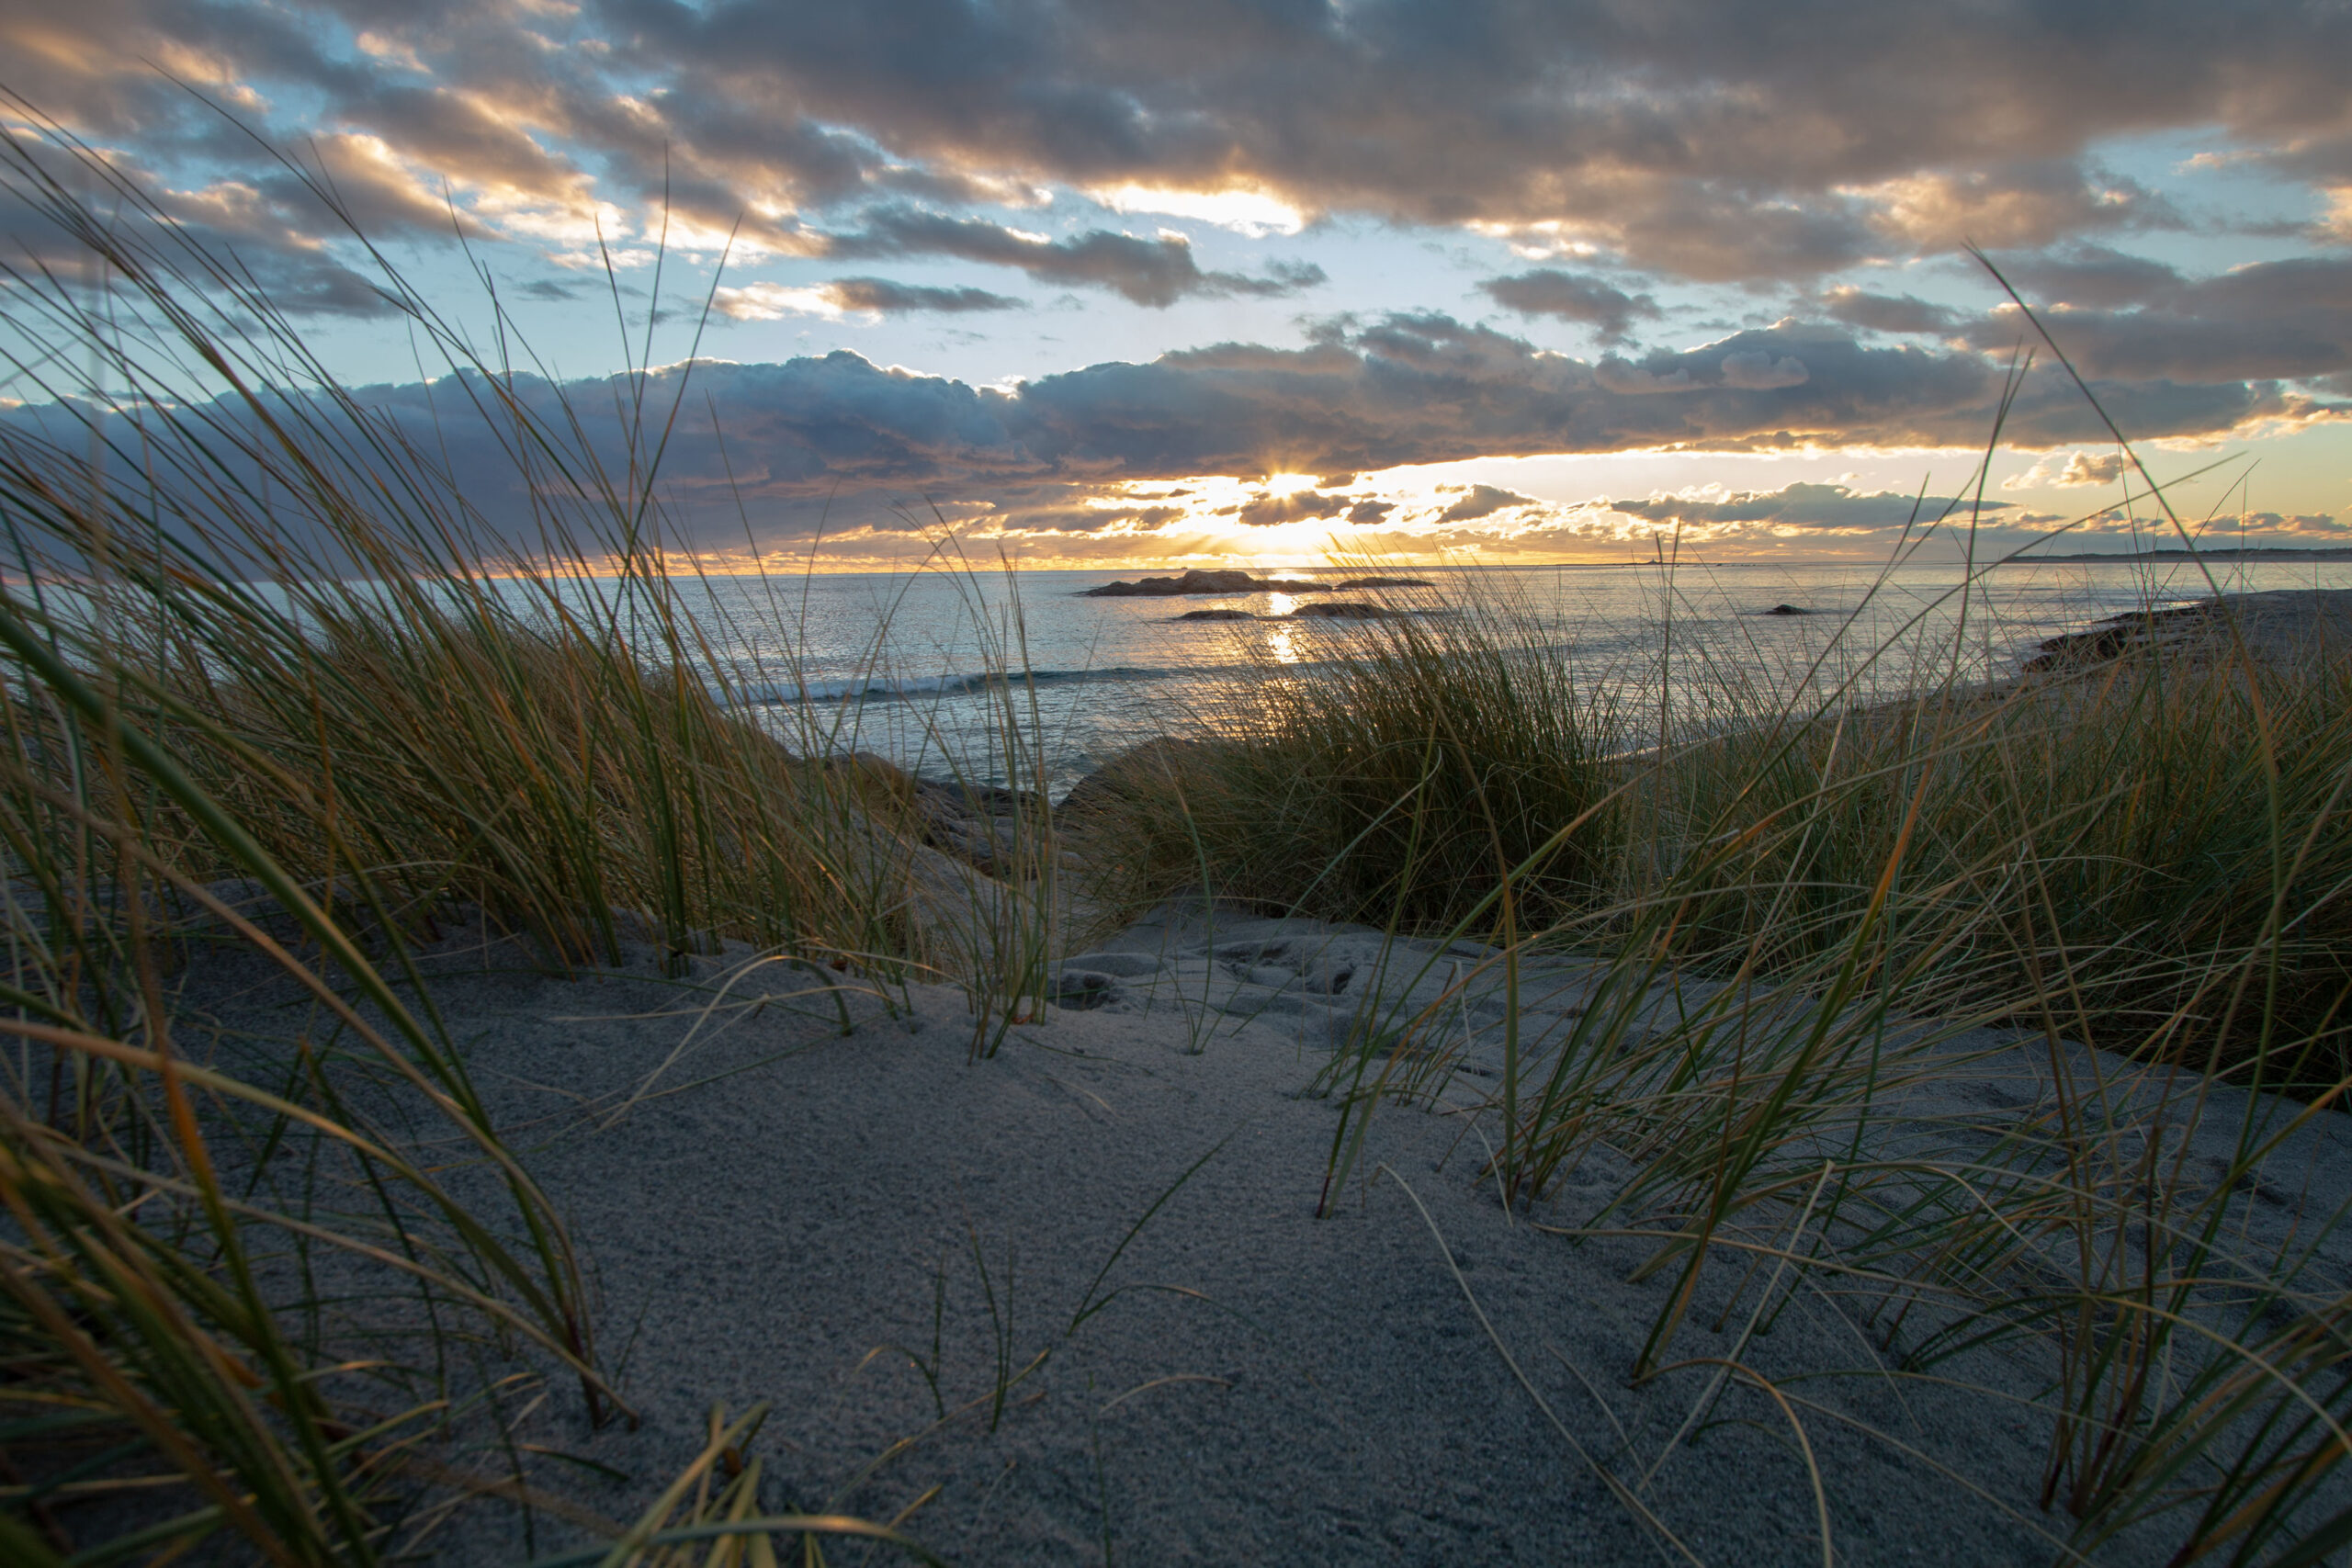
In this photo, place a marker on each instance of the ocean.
(912, 666)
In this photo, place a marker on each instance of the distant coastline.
(2253, 552)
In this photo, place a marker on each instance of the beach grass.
(1404, 778)
(277, 704)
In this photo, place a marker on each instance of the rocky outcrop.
(975, 823)
(1228, 581)
(2285, 629)
(1216, 615)
(1787, 610)
(2118, 634)
(1344, 610)
(1385, 583)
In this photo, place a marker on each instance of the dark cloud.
(1427, 389)
(2285, 319)
(840, 431)
(1796, 506)
(1482, 500)
(1405, 389)
(2093, 276)
(1573, 296)
(1888, 312)
(1752, 143)
(2127, 318)
(879, 447)
(548, 290)
(1297, 506)
(226, 232)
(1157, 272)
(891, 298)
(1051, 518)
(1721, 150)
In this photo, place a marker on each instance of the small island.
(1342, 610)
(1327, 610)
(2213, 549)
(1231, 580)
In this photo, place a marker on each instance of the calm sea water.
(910, 665)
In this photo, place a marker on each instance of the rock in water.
(1385, 583)
(1787, 610)
(1216, 615)
(1344, 609)
(1232, 581)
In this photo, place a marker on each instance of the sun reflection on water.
(1282, 636)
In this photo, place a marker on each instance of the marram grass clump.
(1405, 776)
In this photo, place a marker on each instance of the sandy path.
(1258, 1385)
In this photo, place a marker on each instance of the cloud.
(1297, 506)
(2032, 202)
(2123, 317)
(881, 295)
(1407, 390)
(2281, 319)
(1706, 229)
(1573, 296)
(2069, 470)
(1482, 500)
(1053, 518)
(1156, 272)
(1888, 312)
(2093, 276)
(2082, 468)
(1773, 143)
(2300, 522)
(1400, 390)
(1245, 211)
(1761, 372)
(1753, 371)
(186, 231)
(875, 450)
(1632, 381)
(1810, 506)
(773, 301)
(875, 296)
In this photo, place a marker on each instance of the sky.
(1160, 284)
